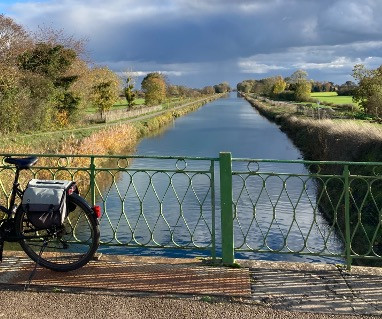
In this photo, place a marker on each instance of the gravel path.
(32, 304)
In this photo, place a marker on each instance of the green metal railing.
(150, 202)
(343, 199)
(325, 209)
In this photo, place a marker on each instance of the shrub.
(286, 96)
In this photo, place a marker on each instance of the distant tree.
(222, 87)
(172, 90)
(257, 87)
(103, 97)
(183, 91)
(245, 86)
(129, 92)
(297, 76)
(154, 87)
(278, 85)
(302, 90)
(369, 91)
(347, 88)
(208, 90)
(268, 84)
(105, 89)
(327, 87)
(316, 86)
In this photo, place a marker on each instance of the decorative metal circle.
(181, 164)
(253, 166)
(123, 162)
(62, 161)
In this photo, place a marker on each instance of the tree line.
(47, 81)
(367, 92)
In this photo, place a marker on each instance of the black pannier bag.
(45, 202)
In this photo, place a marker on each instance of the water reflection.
(170, 208)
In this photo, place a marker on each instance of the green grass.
(332, 97)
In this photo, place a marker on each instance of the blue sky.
(205, 42)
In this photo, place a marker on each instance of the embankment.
(327, 140)
(341, 140)
(114, 138)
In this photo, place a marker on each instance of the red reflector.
(70, 191)
(97, 211)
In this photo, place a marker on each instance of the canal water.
(226, 125)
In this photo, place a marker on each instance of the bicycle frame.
(16, 191)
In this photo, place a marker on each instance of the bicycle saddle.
(22, 163)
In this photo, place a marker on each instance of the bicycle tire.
(68, 249)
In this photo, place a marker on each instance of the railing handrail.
(216, 159)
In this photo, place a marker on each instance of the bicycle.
(60, 248)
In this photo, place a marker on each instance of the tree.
(208, 90)
(105, 89)
(369, 91)
(222, 87)
(129, 92)
(245, 86)
(12, 98)
(13, 39)
(302, 91)
(278, 85)
(49, 78)
(103, 97)
(48, 60)
(347, 88)
(172, 90)
(297, 76)
(52, 62)
(154, 87)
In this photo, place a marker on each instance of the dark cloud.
(202, 41)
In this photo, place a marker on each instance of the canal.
(227, 125)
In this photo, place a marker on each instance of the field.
(332, 97)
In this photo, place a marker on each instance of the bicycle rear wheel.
(64, 248)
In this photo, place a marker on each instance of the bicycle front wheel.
(64, 248)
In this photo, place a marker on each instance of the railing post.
(213, 224)
(92, 181)
(346, 175)
(225, 161)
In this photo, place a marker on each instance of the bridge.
(224, 208)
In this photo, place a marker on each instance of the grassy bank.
(331, 140)
(340, 140)
(119, 138)
(113, 138)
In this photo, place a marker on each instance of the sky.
(205, 42)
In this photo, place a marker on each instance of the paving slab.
(182, 276)
(281, 286)
(316, 287)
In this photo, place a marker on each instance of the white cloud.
(251, 66)
(337, 63)
(325, 57)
